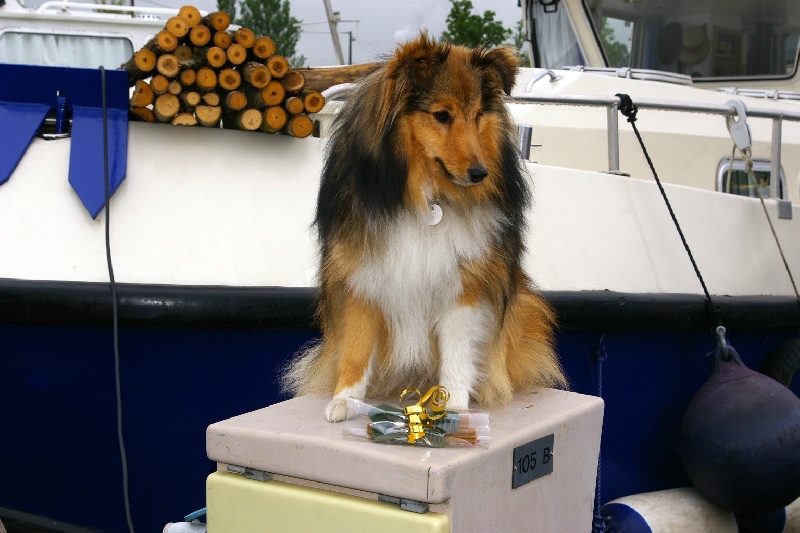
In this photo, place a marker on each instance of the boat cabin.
(713, 43)
(75, 34)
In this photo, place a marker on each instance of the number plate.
(532, 461)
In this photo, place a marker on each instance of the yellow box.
(240, 505)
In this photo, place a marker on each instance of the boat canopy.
(712, 40)
(75, 34)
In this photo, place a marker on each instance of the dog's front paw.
(336, 410)
(459, 399)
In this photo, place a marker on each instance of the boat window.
(740, 183)
(617, 37)
(709, 39)
(84, 51)
(552, 35)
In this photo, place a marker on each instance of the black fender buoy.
(740, 438)
(783, 362)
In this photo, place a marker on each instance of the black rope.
(114, 307)
(598, 522)
(629, 109)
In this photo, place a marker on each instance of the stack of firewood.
(196, 71)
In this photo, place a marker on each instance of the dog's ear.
(410, 70)
(500, 64)
(420, 59)
(417, 61)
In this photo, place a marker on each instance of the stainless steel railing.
(611, 103)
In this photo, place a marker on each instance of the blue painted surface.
(18, 124)
(86, 165)
(623, 519)
(59, 455)
(23, 107)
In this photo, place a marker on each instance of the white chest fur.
(416, 280)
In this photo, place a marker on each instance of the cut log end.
(163, 41)
(206, 79)
(145, 60)
(235, 100)
(190, 99)
(294, 105)
(256, 74)
(143, 113)
(208, 116)
(293, 81)
(168, 65)
(313, 102)
(247, 119)
(166, 107)
(278, 66)
(200, 35)
(244, 37)
(217, 21)
(229, 79)
(174, 87)
(214, 57)
(275, 119)
(159, 83)
(273, 94)
(183, 53)
(142, 94)
(177, 26)
(236, 53)
(300, 126)
(211, 99)
(184, 119)
(222, 39)
(264, 47)
(191, 15)
(187, 77)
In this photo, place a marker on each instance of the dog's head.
(430, 122)
(446, 102)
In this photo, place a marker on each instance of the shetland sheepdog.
(420, 217)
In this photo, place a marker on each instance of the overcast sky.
(380, 23)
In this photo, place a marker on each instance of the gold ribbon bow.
(418, 415)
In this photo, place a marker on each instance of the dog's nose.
(476, 174)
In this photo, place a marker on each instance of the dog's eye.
(442, 117)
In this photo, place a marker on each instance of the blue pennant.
(36, 91)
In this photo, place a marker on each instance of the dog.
(420, 218)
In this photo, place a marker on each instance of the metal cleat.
(737, 126)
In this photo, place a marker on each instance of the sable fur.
(406, 304)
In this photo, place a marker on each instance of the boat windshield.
(700, 38)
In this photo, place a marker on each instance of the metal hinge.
(406, 505)
(250, 473)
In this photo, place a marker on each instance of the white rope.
(748, 161)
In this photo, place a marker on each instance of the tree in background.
(618, 53)
(271, 18)
(468, 29)
(519, 43)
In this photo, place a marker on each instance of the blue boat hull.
(60, 457)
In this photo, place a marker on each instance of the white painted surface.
(221, 207)
(198, 207)
(682, 509)
(595, 231)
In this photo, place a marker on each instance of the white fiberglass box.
(536, 474)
